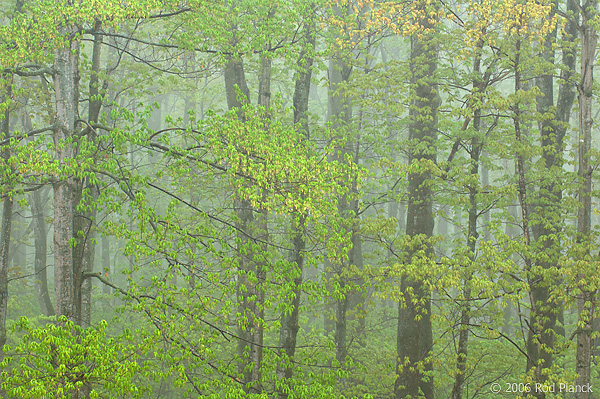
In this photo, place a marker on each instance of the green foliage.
(59, 359)
(206, 208)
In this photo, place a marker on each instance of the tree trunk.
(586, 300)
(415, 336)
(329, 306)
(250, 297)
(106, 289)
(6, 227)
(84, 229)
(472, 236)
(290, 322)
(523, 194)
(40, 261)
(259, 268)
(236, 87)
(548, 210)
(83, 255)
(66, 86)
(4, 248)
(485, 181)
(37, 200)
(340, 114)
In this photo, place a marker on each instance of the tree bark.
(106, 289)
(472, 236)
(7, 207)
(415, 335)
(84, 229)
(84, 253)
(260, 229)
(37, 199)
(340, 114)
(548, 210)
(290, 322)
(250, 297)
(40, 260)
(66, 86)
(586, 300)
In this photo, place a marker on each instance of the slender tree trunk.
(586, 300)
(7, 208)
(106, 289)
(472, 236)
(66, 86)
(485, 181)
(37, 199)
(290, 322)
(84, 229)
(521, 174)
(17, 257)
(95, 104)
(261, 231)
(40, 261)
(415, 335)
(249, 294)
(356, 298)
(83, 254)
(511, 231)
(264, 82)
(340, 114)
(329, 306)
(4, 248)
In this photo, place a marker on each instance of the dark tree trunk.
(472, 235)
(548, 210)
(106, 289)
(249, 294)
(290, 322)
(40, 261)
(415, 336)
(329, 306)
(485, 181)
(37, 201)
(84, 227)
(340, 114)
(586, 300)
(260, 230)
(86, 194)
(522, 184)
(83, 255)
(236, 87)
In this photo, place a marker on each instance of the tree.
(290, 319)
(415, 335)
(7, 209)
(586, 298)
(548, 211)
